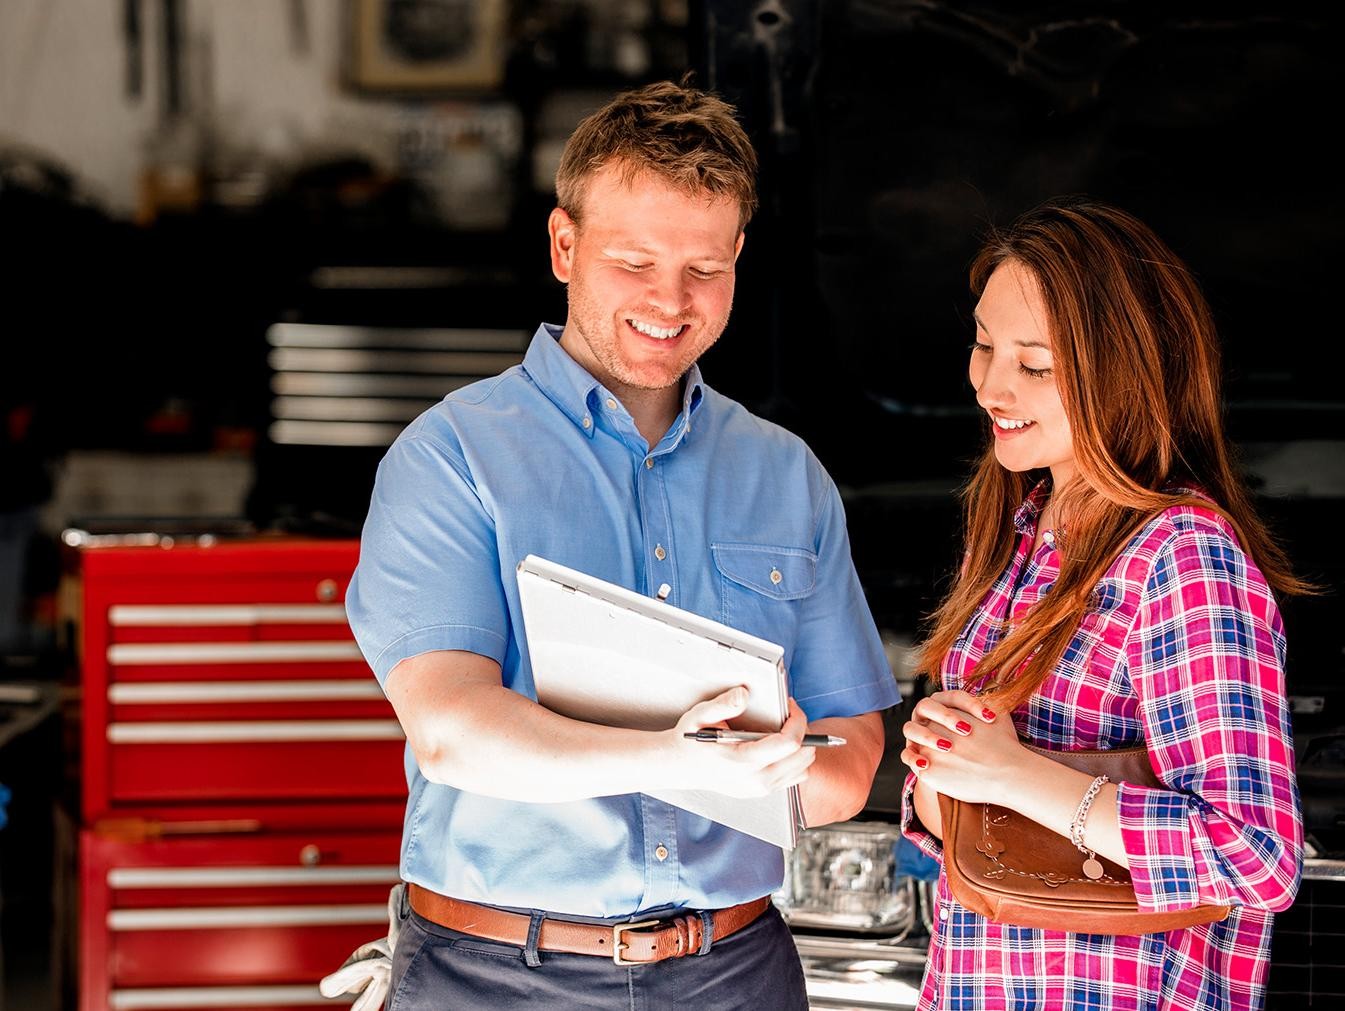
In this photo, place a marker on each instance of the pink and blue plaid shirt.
(1182, 648)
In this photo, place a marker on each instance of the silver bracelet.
(1092, 867)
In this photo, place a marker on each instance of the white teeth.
(657, 332)
(1008, 423)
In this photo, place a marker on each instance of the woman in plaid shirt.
(1118, 588)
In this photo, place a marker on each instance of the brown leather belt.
(623, 943)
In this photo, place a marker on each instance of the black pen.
(717, 736)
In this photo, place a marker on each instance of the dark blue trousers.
(434, 969)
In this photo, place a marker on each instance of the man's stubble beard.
(587, 319)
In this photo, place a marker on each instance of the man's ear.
(562, 229)
(738, 249)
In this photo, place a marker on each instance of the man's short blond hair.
(686, 137)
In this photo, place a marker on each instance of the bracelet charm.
(1092, 866)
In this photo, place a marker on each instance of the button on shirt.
(1182, 648)
(543, 460)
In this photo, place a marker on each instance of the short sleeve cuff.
(1155, 830)
(468, 638)
(911, 826)
(853, 701)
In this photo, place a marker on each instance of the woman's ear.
(562, 229)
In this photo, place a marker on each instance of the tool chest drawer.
(227, 674)
(227, 920)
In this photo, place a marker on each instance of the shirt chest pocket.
(762, 588)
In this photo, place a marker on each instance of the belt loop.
(531, 955)
(707, 930)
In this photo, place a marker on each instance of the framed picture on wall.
(427, 45)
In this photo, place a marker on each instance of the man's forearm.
(467, 730)
(487, 739)
(839, 781)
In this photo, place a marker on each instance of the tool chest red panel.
(243, 783)
(228, 674)
(217, 921)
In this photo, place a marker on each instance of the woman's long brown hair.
(1137, 364)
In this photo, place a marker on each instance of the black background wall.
(893, 133)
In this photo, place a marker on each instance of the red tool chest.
(242, 779)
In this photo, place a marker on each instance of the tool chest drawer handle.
(161, 615)
(241, 731)
(167, 692)
(214, 918)
(214, 997)
(242, 877)
(150, 653)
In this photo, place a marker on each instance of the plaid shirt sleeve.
(1206, 658)
(911, 826)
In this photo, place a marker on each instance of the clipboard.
(604, 654)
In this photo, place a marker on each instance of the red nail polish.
(944, 745)
(922, 763)
(963, 727)
(987, 714)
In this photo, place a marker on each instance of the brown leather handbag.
(1012, 870)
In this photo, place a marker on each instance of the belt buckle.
(618, 945)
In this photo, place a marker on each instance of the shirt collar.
(571, 388)
(693, 393)
(565, 382)
(1027, 514)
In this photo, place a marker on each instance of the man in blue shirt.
(527, 835)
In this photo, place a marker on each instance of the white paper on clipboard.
(604, 654)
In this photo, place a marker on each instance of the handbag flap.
(995, 849)
(1010, 869)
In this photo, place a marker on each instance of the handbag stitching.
(998, 868)
(993, 847)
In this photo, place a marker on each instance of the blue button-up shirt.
(732, 513)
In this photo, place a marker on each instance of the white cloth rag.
(368, 970)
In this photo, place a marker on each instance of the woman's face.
(1012, 371)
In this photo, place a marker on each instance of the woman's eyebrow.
(1021, 343)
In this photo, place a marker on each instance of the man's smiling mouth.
(661, 333)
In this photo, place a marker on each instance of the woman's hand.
(958, 746)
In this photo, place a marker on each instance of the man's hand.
(747, 769)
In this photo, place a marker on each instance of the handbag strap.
(1128, 765)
